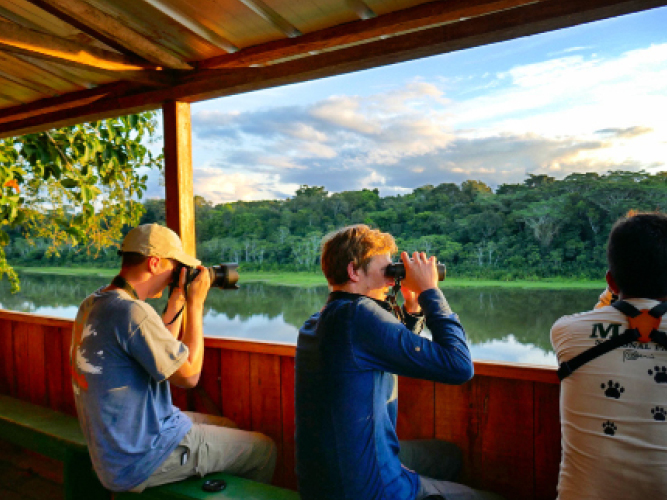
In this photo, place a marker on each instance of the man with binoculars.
(348, 358)
(124, 357)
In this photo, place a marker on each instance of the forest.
(540, 228)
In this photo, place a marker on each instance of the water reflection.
(502, 324)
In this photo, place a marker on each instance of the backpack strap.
(643, 327)
(658, 310)
(568, 367)
(658, 336)
(646, 321)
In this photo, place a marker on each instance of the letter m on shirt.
(599, 331)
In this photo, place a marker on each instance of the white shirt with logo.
(613, 410)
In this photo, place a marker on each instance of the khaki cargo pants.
(214, 444)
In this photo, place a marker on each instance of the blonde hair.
(357, 244)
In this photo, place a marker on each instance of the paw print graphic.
(609, 428)
(613, 390)
(659, 374)
(659, 414)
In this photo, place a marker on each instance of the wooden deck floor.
(25, 476)
(22, 484)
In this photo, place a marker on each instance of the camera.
(397, 271)
(223, 276)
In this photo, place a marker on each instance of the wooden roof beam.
(419, 17)
(24, 40)
(64, 103)
(106, 27)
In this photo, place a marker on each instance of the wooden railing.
(506, 420)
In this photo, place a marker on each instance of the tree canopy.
(74, 187)
(539, 228)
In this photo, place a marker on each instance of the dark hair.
(132, 259)
(357, 244)
(637, 255)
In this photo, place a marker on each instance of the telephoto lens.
(223, 276)
(397, 271)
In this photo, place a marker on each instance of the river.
(502, 324)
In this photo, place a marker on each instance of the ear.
(353, 274)
(153, 264)
(612, 284)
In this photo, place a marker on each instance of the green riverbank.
(313, 279)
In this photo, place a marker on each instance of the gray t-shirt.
(613, 410)
(122, 356)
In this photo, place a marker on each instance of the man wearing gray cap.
(124, 357)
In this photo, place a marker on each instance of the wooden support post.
(179, 205)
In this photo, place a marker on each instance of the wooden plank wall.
(35, 360)
(506, 420)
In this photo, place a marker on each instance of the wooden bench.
(55, 435)
(237, 489)
(59, 436)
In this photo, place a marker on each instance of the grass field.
(313, 279)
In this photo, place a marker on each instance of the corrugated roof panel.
(30, 16)
(313, 15)
(73, 76)
(244, 26)
(158, 28)
(381, 7)
(231, 19)
(18, 92)
(23, 70)
(37, 18)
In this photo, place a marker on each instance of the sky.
(592, 98)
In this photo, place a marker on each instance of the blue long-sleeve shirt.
(346, 393)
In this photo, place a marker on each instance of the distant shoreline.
(313, 279)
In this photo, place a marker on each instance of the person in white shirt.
(613, 398)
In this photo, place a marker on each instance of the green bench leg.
(81, 482)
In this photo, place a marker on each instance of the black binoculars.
(397, 271)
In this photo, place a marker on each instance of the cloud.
(574, 94)
(509, 349)
(227, 187)
(571, 49)
(506, 158)
(562, 115)
(625, 133)
(345, 112)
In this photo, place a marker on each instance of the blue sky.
(588, 98)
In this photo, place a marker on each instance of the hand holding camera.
(199, 285)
